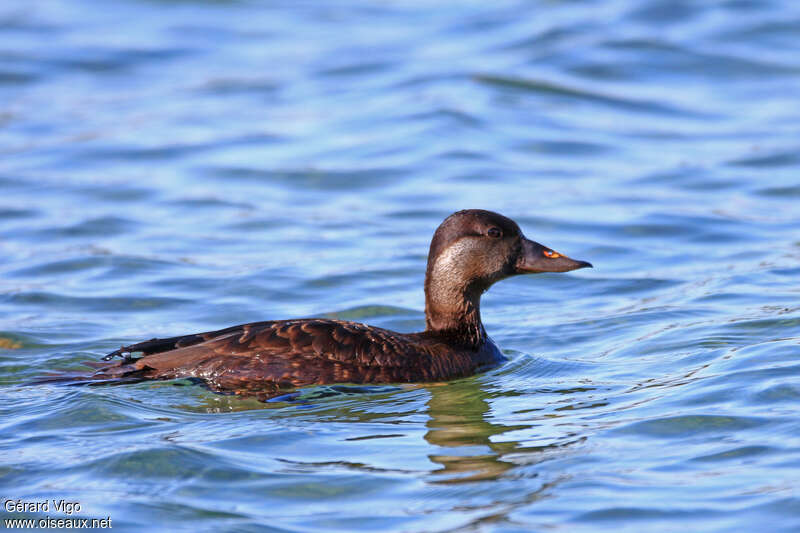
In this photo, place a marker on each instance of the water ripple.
(170, 167)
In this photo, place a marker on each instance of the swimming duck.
(470, 251)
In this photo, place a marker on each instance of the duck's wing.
(287, 353)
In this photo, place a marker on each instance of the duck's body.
(264, 357)
(469, 252)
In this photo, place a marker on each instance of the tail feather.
(163, 345)
(153, 346)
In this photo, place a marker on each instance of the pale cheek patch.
(466, 259)
(452, 261)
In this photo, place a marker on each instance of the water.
(169, 167)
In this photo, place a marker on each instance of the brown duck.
(470, 251)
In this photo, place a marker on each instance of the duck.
(470, 251)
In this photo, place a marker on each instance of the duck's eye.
(495, 233)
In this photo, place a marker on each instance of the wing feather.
(271, 355)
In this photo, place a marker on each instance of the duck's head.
(471, 250)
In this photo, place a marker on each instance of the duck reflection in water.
(462, 441)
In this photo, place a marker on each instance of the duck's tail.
(116, 373)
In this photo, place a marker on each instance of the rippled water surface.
(169, 167)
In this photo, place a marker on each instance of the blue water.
(168, 167)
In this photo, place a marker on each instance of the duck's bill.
(537, 258)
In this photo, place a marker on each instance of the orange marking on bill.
(551, 254)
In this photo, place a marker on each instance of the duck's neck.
(454, 311)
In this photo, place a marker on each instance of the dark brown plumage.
(469, 252)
